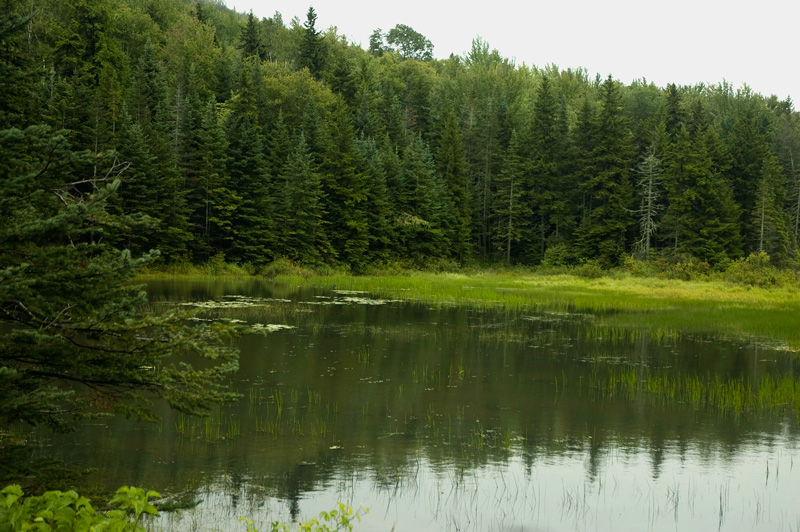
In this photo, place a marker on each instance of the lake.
(457, 418)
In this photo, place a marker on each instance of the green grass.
(658, 305)
(663, 307)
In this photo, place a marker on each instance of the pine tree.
(604, 231)
(511, 205)
(422, 226)
(380, 214)
(251, 44)
(312, 49)
(749, 150)
(253, 220)
(16, 74)
(83, 340)
(769, 234)
(216, 212)
(451, 166)
(302, 236)
(344, 190)
(547, 205)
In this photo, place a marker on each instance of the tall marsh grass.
(665, 306)
(770, 395)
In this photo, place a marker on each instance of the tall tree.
(380, 213)
(301, 234)
(603, 232)
(251, 44)
(82, 339)
(253, 220)
(546, 194)
(511, 206)
(451, 165)
(312, 50)
(344, 190)
(649, 186)
(409, 44)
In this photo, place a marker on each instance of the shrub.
(753, 270)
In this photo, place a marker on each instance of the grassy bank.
(662, 306)
(618, 298)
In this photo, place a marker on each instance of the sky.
(679, 41)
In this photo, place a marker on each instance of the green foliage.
(342, 518)
(753, 270)
(409, 44)
(81, 341)
(205, 106)
(68, 511)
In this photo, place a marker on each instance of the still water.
(454, 418)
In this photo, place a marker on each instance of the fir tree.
(302, 236)
(344, 190)
(83, 341)
(312, 49)
(251, 44)
(510, 202)
(604, 231)
(380, 214)
(451, 166)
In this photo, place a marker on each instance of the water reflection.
(464, 419)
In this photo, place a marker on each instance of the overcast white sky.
(676, 41)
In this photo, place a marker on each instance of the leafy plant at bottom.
(341, 518)
(68, 511)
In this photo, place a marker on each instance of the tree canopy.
(234, 130)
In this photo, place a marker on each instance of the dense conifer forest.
(248, 140)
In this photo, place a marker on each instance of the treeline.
(257, 139)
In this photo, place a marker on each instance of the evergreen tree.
(83, 341)
(604, 231)
(253, 220)
(380, 214)
(421, 226)
(302, 236)
(511, 207)
(313, 54)
(251, 44)
(749, 150)
(16, 74)
(344, 190)
(768, 233)
(547, 202)
(451, 166)
(216, 212)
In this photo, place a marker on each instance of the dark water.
(456, 419)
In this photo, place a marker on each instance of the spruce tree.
(251, 44)
(344, 190)
(421, 228)
(511, 206)
(451, 166)
(380, 214)
(302, 236)
(82, 340)
(312, 49)
(546, 202)
(253, 220)
(603, 233)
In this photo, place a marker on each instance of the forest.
(228, 138)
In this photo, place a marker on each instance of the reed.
(662, 307)
(769, 395)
